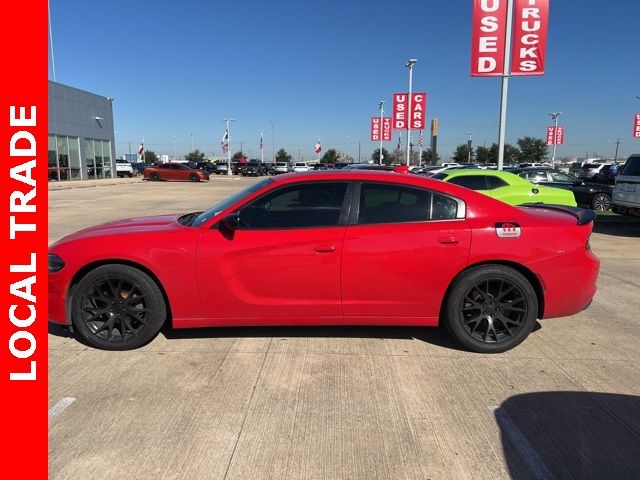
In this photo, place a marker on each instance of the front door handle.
(449, 240)
(325, 248)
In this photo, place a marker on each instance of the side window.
(537, 176)
(297, 206)
(386, 203)
(473, 182)
(495, 182)
(561, 177)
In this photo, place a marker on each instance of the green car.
(505, 186)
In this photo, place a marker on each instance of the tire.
(113, 300)
(474, 310)
(601, 202)
(154, 177)
(194, 178)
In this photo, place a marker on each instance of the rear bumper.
(568, 282)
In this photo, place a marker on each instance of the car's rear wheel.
(117, 307)
(601, 201)
(194, 178)
(490, 308)
(154, 177)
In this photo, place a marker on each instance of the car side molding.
(582, 215)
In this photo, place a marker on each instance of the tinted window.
(439, 176)
(296, 206)
(495, 182)
(474, 182)
(632, 167)
(380, 203)
(562, 177)
(536, 175)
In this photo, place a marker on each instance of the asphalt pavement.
(345, 402)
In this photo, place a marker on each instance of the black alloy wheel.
(154, 177)
(194, 178)
(601, 202)
(117, 307)
(491, 308)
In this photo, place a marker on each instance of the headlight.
(55, 263)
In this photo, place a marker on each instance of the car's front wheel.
(601, 201)
(154, 177)
(194, 178)
(117, 307)
(490, 308)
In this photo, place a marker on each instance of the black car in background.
(208, 167)
(254, 168)
(596, 196)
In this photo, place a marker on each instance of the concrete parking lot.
(346, 402)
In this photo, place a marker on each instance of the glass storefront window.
(53, 158)
(74, 158)
(98, 148)
(89, 155)
(106, 158)
(63, 158)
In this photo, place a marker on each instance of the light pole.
(617, 142)
(228, 122)
(409, 65)
(191, 141)
(469, 147)
(554, 116)
(273, 141)
(348, 146)
(381, 105)
(174, 149)
(261, 149)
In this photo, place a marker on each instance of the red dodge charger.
(329, 248)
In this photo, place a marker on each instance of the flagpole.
(143, 152)
(228, 122)
(420, 142)
(261, 147)
(505, 85)
(382, 102)
(410, 67)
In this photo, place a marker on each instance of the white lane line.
(59, 407)
(534, 463)
(61, 205)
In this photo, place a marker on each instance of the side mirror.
(231, 221)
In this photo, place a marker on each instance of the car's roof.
(508, 177)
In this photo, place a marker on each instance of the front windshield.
(213, 211)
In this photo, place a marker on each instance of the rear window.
(591, 165)
(473, 182)
(632, 167)
(440, 176)
(301, 164)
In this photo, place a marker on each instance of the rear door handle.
(325, 248)
(449, 240)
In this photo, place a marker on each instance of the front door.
(282, 263)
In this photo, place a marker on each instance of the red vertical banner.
(530, 23)
(559, 135)
(386, 129)
(551, 135)
(23, 165)
(488, 32)
(376, 129)
(418, 115)
(636, 126)
(400, 111)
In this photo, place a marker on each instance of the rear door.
(401, 250)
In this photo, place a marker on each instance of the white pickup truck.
(124, 169)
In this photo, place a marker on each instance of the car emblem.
(508, 230)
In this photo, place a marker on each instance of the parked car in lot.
(221, 168)
(587, 194)
(590, 170)
(173, 172)
(485, 269)
(282, 167)
(368, 166)
(626, 195)
(506, 186)
(208, 167)
(254, 168)
(607, 174)
(124, 168)
(138, 167)
(301, 167)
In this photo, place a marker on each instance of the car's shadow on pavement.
(618, 226)
(585, 435)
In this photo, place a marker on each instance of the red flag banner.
(488, 33)
(530, 22)
(386, 129)
(376, 129)
(559, 135)
(555, 137)
(636, 126)
(402, 118)
(551, 135)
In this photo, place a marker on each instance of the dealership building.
(81, 137)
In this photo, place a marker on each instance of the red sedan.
(329, 248)
(174, 171)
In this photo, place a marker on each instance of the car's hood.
(130, 225)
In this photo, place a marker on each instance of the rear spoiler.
(582, 215)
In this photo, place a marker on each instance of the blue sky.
(177, 69)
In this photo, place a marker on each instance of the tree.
(282, 156)
(195, 156)
(428, 158)
(461, 154)
(532, 149)
(375, 156)
(483, 155)
(511, 153)
(237, 155)
(330, 156)
(150, 157)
